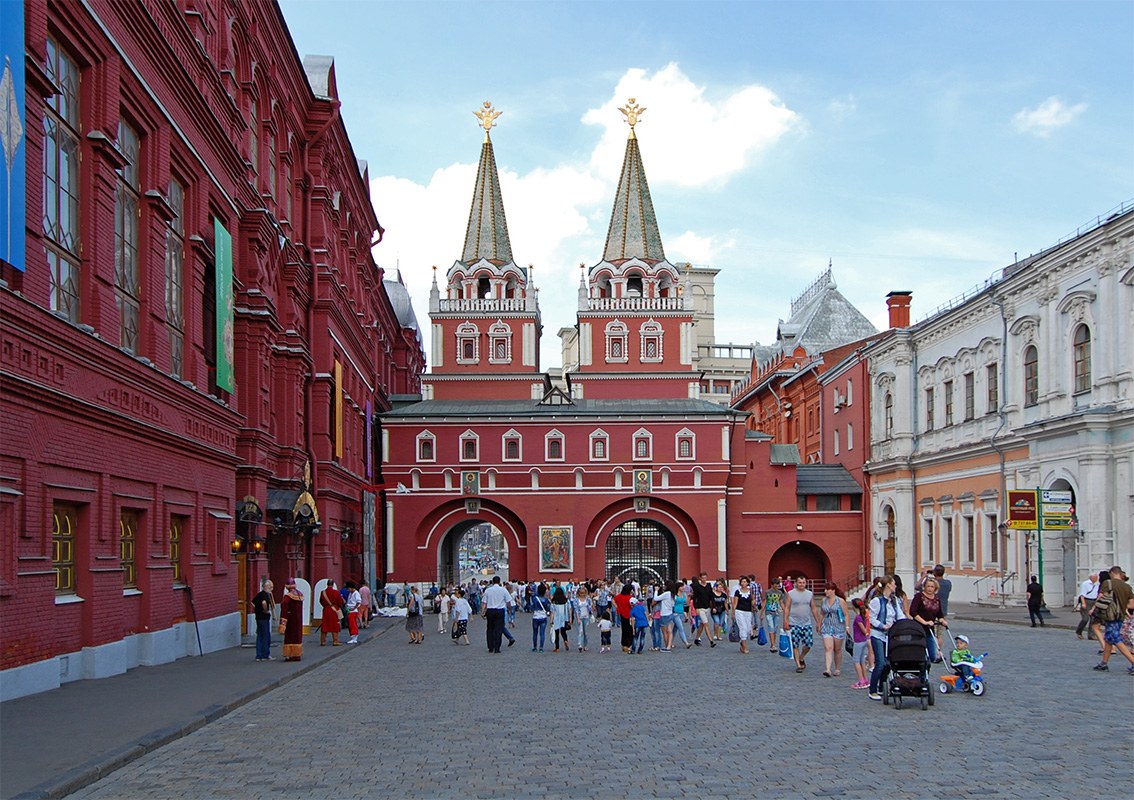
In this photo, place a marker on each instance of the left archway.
(472, 549)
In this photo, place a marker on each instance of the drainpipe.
(909, 458)
(309, 386)
(1003, 423)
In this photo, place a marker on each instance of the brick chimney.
(899, 305)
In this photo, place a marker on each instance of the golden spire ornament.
(487, 117)
(632, 111)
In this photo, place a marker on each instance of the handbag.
(786, 649)
(283, 626)
(762, 637)
(848, 645)
(734, 633)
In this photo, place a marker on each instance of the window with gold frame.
(128, 548)
(176, 527)
(64, 521)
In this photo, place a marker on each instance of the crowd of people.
(788, 616)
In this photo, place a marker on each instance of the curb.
(96, 769)
(1023, 623)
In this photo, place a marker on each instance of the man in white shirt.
(1088, 594)
(443, 617)
(496, 599)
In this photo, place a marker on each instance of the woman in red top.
(622, 603)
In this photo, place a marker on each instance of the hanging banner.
(13, 198)
(338, 410)
(366, 444)
(1022, 509)
(225, 336)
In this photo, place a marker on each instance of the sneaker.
(875, 696)
(697, 642)
(1130, 670)
(511, 642)
(352, 640)
(712, 644)
(1101, 668)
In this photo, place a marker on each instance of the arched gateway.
(641, 550)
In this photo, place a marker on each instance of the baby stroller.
(907, 662)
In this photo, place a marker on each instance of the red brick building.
(198, 324)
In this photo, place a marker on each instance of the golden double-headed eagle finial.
(632, 111)
(488, 117)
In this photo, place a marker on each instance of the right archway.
(800, 558)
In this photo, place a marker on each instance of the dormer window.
(500, 343)
(468, 344)
(651, 333)
(616, 336)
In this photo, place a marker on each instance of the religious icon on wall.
(555, 551)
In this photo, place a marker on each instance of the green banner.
(223, 249)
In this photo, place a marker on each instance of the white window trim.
(466, 331)
(425, 435)
(639, 435)
(651, 330)
(685, 433)
(617, 330)
(469, 436)
(599, 434)
(549, 437)
(512, 433)
(500, 332)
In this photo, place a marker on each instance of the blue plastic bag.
(761, 637)
(785, 645)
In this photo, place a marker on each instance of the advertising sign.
(1022, 509)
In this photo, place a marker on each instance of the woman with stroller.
(926, 609)
(885, 610)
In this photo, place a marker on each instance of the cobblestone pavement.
(439, 721)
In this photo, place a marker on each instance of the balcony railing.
(486, 305)
(636, 304)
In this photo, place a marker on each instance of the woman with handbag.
(834, 628)
(415, 623)
(742, 609)
(332, 603)
(560, 618)
(291, 621)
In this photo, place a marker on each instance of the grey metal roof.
(487, 232)
(400, 301)
(784, 454)
(825, 479)
(589, 408)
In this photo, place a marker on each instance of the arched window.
(1031, 376)
(1082, 359)
(634, 285)
(483, 288)
(888, 421)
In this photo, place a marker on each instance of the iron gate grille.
(641, 550)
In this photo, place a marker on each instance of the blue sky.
(916, 145)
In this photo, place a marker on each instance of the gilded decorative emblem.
(488, 116)
(632, 111)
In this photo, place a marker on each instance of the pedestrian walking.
(623, 604)
(331, 603)
(1034, 595)
(541, 610)
(834, 628)
(800, 618)
(860, 634)
(262, 606)
(885, 610)
(291, 621)
(495, 603)
(560, 618)
(927, 608)
(641, 623)
(1085, 602)
(415, 622)
(461, 613)
(582, 611)
(742, 611)
(364, 609)
(773, 611)
(443, 617)
(604, 626)
(353, 602)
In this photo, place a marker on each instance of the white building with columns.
(1026, 382)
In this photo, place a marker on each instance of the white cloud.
(843, 107)
(557, 215)
(685, 138)
(1047, 117)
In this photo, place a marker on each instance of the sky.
(915, 146)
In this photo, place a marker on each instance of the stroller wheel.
(929, 692)
(978, 688)
(925, 701)
(885, 695)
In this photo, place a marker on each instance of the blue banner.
(13, 198)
